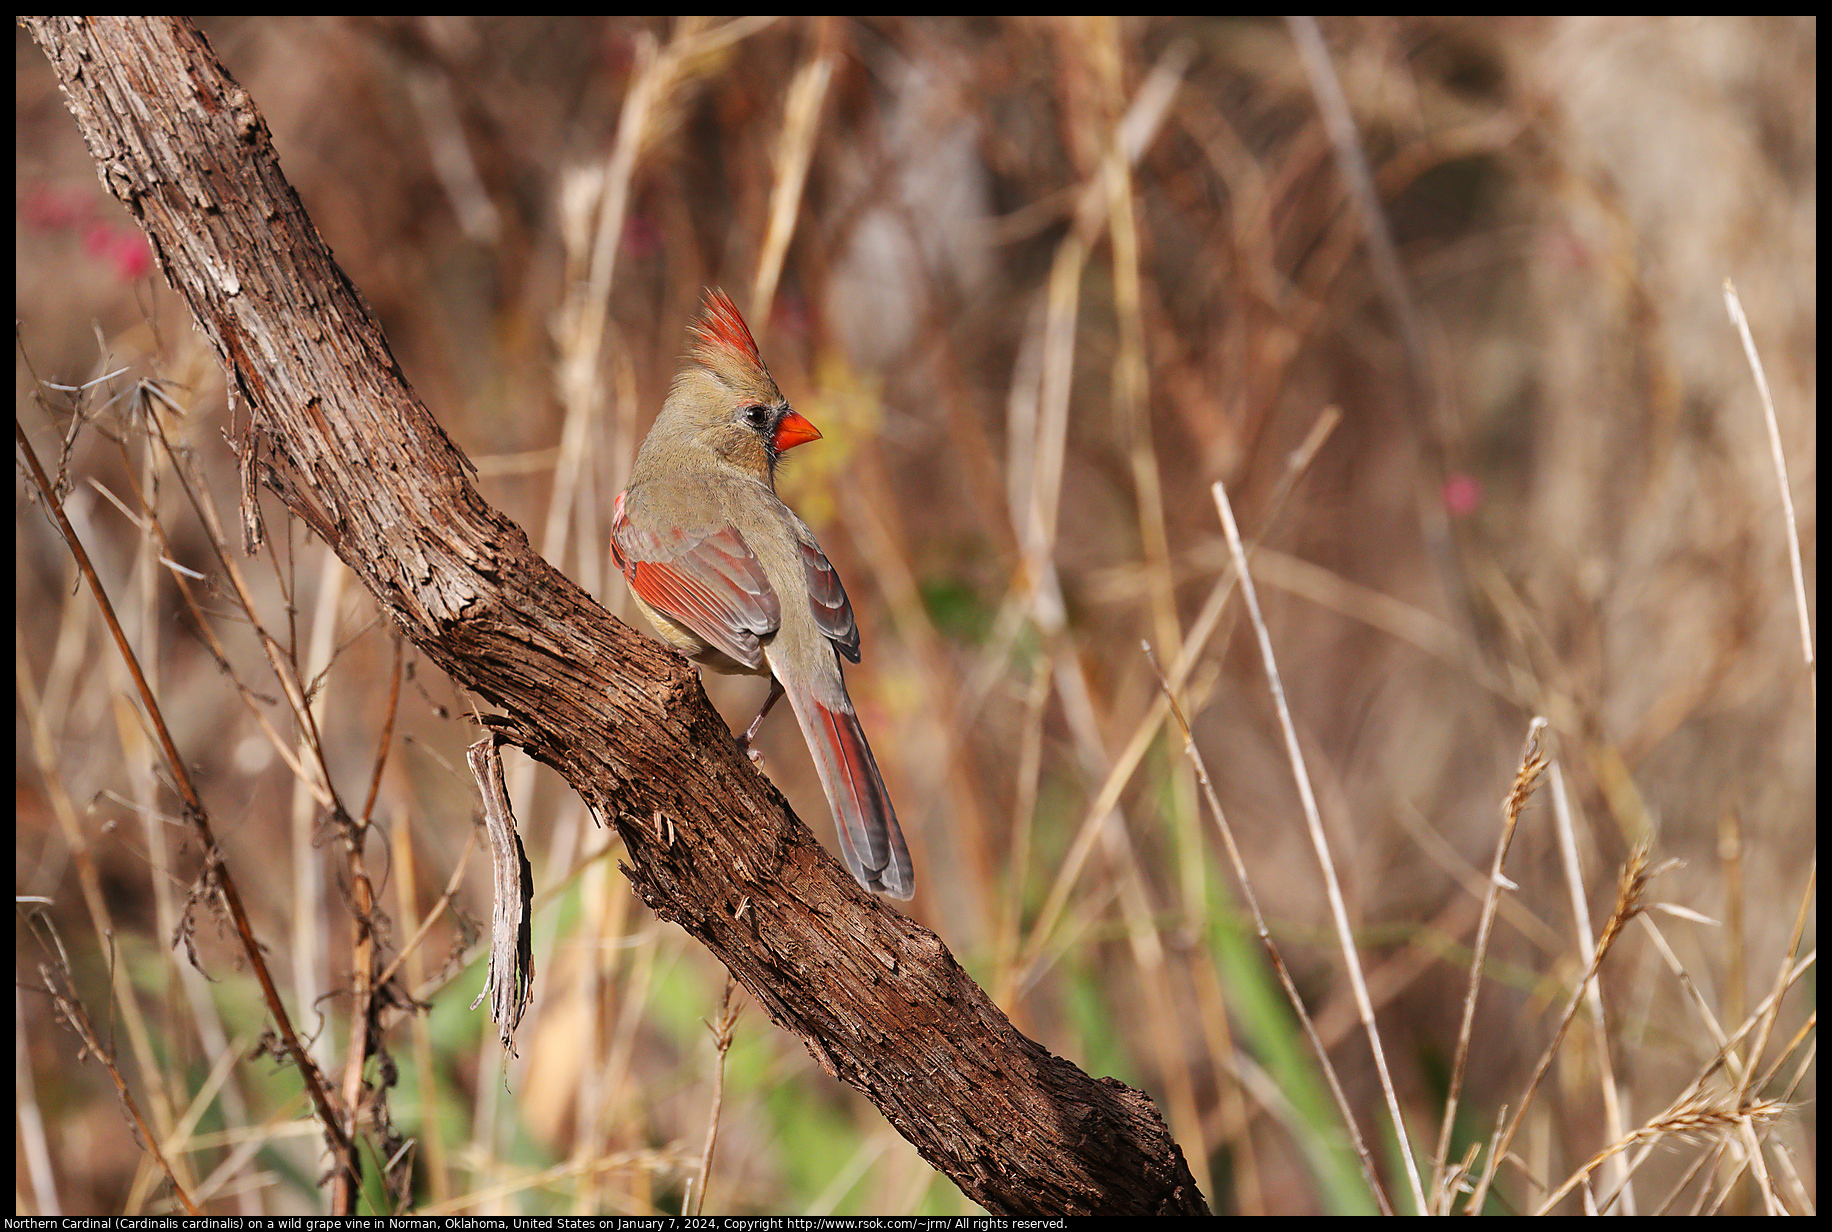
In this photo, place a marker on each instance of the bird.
(730, 577)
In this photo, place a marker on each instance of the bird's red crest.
(725, 339)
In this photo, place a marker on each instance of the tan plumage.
(729, 576)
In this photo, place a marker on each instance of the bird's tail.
(871, 842)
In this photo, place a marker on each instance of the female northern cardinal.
(729, 576)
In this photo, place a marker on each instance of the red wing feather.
(712, 584)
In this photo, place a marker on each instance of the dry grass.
(1443, 309)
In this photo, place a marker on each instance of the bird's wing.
(710, 583)
(827, 598)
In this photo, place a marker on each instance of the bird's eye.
(755, 417)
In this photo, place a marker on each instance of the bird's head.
(725, 399)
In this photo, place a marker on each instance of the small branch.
(72, 1010)
(722, 1042)
(216, 875)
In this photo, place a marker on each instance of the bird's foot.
(750, 733)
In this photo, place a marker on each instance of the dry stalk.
(1631, 900)
(794, 152)
(1532, 763)
(1264, 933)
(72, 1010)
(1566, 833)
(1694, 1120)
(217, 878)
(1735, 304)
(722, 1032)
(1320, 842)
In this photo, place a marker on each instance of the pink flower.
(120, 247)
(1461, 494)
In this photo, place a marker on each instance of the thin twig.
(1194, 645)
(1617, 1178)
(1265, 936)
(1735, 305)
(1631, 900)
(1532, 762)
(1320, 841)
(1772, 1012)
(217, 873)
(794, 152)
(74, 1014)
(722, 1042)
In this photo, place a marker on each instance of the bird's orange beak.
(793, 431)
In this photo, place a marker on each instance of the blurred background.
(1441, 305)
